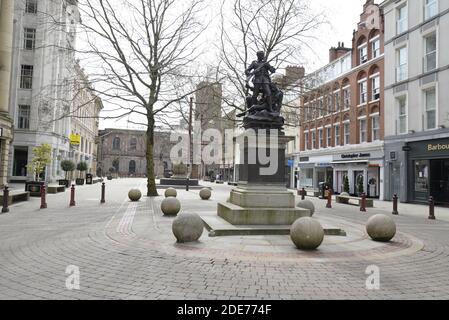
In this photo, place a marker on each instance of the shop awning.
(351, 161)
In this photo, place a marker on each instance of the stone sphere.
(187, 227)
(205, 194)
(134, 194)
(171, 192)
(381, 228)
(307, 234)
(170, 206)
(344, 194)
(307, 204)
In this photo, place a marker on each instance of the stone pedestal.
(261, 197)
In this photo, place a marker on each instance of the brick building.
(125, 151)
(342, 125)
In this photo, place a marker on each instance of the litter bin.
(89, 178)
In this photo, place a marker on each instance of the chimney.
(337, 52)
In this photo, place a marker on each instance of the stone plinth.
(261, 197)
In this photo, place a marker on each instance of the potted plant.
(41, 159)
(111, 171)
(346, 184)
(81, 167)
(66, 166)
(179, 171)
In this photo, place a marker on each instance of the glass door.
(439, 180)
(421, 187)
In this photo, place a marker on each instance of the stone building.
(86, 107)
(125, 151)
(342, 122)
(6, 122)
(42, 66)
(416, 100)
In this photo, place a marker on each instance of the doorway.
(20, 161)
(439, 181)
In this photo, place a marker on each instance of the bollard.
(329, 199)
(103, 193)
(431, 208)
(395, 204)
(363, 203)
(43, 200)
(72, 196)
(187, 184)
(5, 208)
(303, 194)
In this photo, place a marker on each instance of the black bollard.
(395, 204)
(72, 196)
(303, 194)
(43, 200)
(363, 203)
(5, 208)
(103, 193)
(431, 208)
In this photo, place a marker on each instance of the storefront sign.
(376, 154)
(437, 147)
(356, 155)
(429, 148)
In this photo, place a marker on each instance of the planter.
(79, 182)
(64, 182)
(109, 177)
(34, 188)
(89, 178)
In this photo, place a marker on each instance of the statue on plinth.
(263, 107)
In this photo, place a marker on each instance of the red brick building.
(342, 125)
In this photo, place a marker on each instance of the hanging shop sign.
(75, 139)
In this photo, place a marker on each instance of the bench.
(16, 196)
(52, 189)
(346, 199)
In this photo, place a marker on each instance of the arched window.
(116, 143)
(132, 167)
(133, 144)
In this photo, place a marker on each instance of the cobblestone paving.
(127, 251)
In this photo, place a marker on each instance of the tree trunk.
(151, 185)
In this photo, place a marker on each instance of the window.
(133, 144)
(23, 117)
(313, 140)
(306, 140)
(31, 6)
(337, 136)
(430, 54)
(29, 38)
(363, 54)
(347, 98)
(376, 48)
(337, 101)
(401, 70)
(362, 130)
(330, 107)
(401, 22)
(347, 132)
(363, 92)
(375, 82)
(402, 106)
(431, 108)
(375, 128)
(321, 107)
(116, 143)
(26, 77)
(132, 167)
(430, 8)
(329, 136)
(321, 138)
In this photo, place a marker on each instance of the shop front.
(428, 163)
(359, 172)
(315, 170)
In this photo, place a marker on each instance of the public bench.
(52, 189)
(346, 199)
(16, 196)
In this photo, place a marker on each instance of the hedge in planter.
(81, 167)
(66, 166)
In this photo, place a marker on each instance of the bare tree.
(138, 54)
(281, 28)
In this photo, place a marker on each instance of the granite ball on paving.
(344, 194)
(307, 233)
(134, 195)
(381, 227)
(205, 194)
(187, 227)
(307, 204)
(171, 192)
(170, 206)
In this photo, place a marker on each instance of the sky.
(342, 17)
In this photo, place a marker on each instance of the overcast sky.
(342, 15)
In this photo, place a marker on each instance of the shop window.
(422, 176)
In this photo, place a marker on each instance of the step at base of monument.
(219, 227)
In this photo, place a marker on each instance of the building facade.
(6, 122)
(416, 100)
(342, 121)
(42, 66)
(125, 151)
(86, 108)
